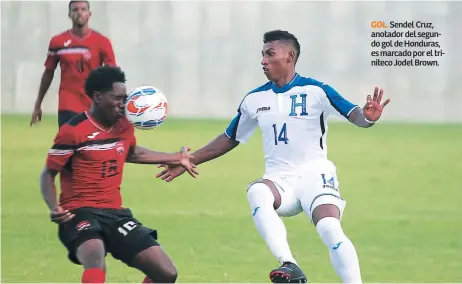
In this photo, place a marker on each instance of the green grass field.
(402, 184)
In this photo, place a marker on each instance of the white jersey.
(292, 120)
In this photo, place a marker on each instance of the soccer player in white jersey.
(291, 112)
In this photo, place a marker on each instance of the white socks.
(268, 223)
(341, 250)
(270, 226)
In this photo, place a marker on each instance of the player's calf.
(344, 258)
(91, 254)
(270, 226)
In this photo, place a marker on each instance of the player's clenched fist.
(59, 215)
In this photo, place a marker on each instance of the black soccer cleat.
(288, 272)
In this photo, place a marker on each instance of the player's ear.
(291, 57)
(96, 96)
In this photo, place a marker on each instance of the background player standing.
(78, 51)
(90, 151)
(292, 112)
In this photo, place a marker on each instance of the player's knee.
(171, 274)
(331, 232)
(166, 274)
(259, 194)
(156, 264)
(91, 254)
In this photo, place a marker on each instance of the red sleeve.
(107, 53)
(62, 149)
(52, 57)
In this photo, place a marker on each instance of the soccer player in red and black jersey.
(89, 152)
(78, 51)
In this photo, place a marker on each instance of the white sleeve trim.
(356, 106)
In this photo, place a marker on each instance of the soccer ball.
(146, 107)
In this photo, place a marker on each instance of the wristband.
(369, 121)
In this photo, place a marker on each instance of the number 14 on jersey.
(280, 135)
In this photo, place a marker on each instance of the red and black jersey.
(77, 57)
(91, 161)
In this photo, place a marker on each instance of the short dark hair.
(70, 3)
(283, 36)
(102, 78)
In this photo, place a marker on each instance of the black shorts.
(64, 116)
(123, 236)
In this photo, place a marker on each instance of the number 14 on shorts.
(328, 182)
(280, 135)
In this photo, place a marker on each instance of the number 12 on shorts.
(280, 135)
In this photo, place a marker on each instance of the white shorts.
(304, 191)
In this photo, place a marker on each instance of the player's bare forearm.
(357, 118)
(45, 83)
(140, 155)
(48, 187)
(216, 148)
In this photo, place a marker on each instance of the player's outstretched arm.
(140, 155)
(216, 148)
(48, 188)
(239, 131)
(371, 112)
